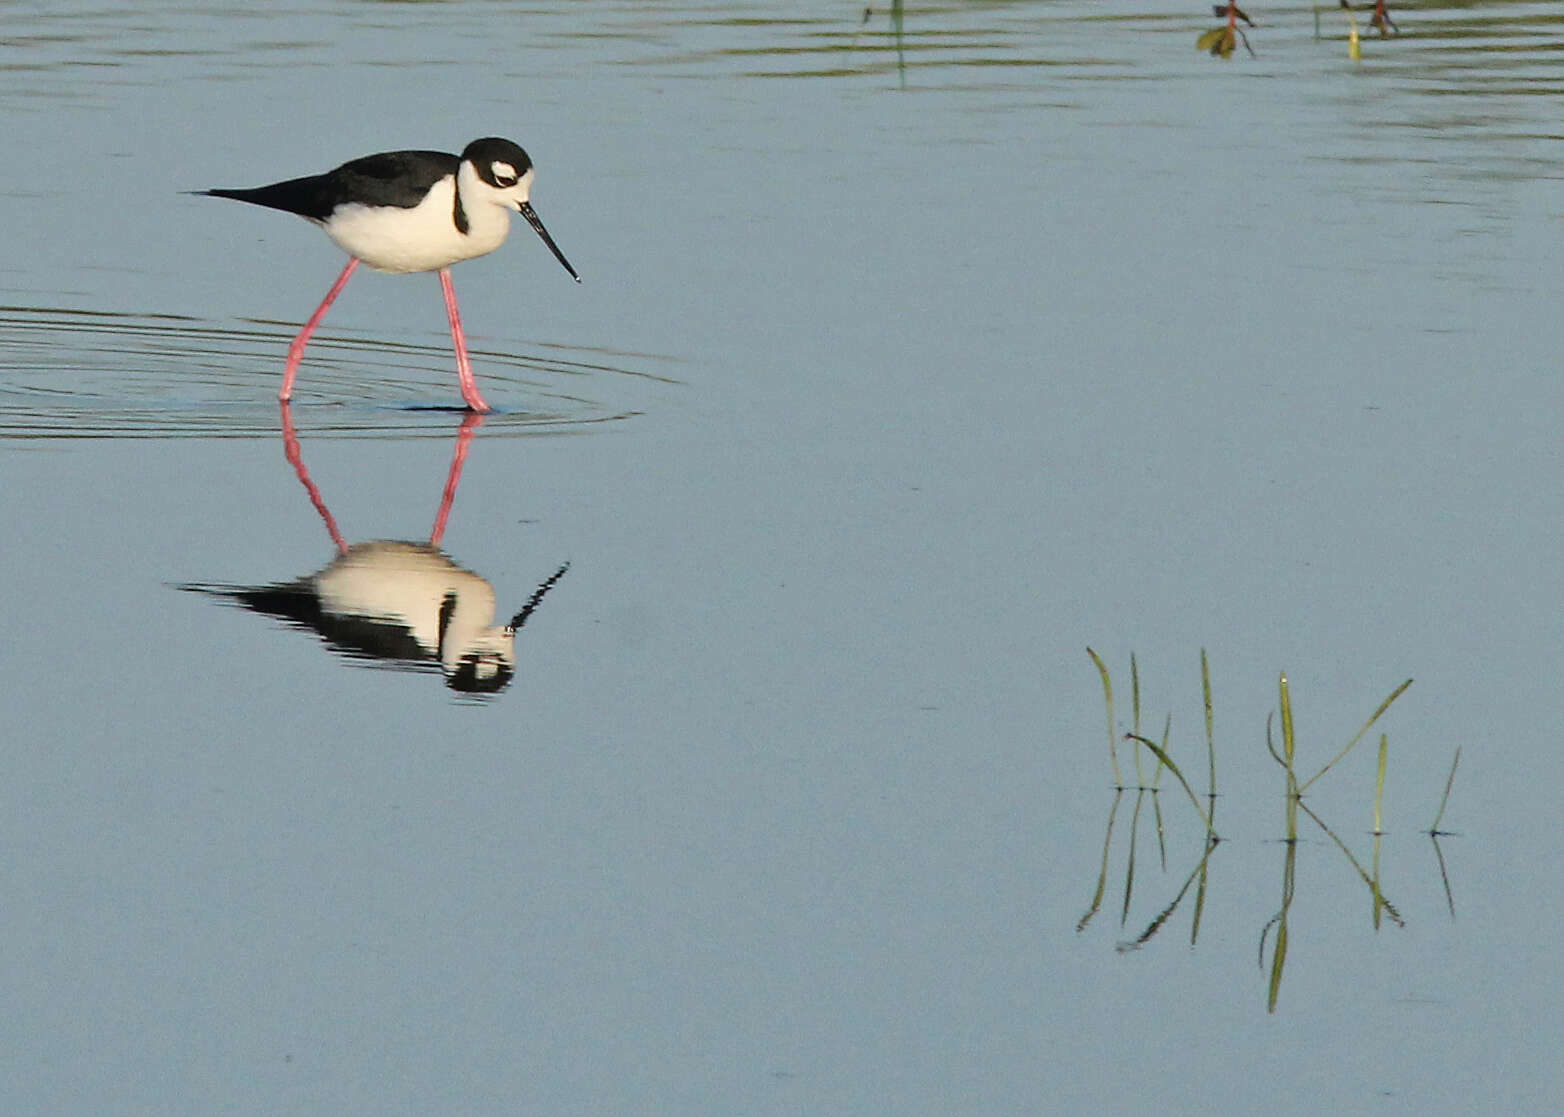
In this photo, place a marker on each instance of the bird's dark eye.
(504, 174)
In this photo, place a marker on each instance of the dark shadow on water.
(86, 374)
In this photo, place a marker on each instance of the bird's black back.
(391, 178)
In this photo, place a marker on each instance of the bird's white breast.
(423, 238)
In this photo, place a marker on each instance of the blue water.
(895, 381)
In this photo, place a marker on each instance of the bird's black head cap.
(498, 162)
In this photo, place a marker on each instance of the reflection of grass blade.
(1129, 869)
(1107, 694)
(1200, 893)
(1445, 800)
(1379, 897)
(1102, 873)
(1162, 756)
(1380, 900)
(1278, 960)
(1162, 843)
(1433, 836)
(1354, 45)
(1162, 917)
(1279, 921)
(1383, 706)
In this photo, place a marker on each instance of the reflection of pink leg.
(296, 350)
(459, 339)
(458, 459)
(290, 449)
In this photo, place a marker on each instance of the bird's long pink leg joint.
(463, 366)
(296, 350)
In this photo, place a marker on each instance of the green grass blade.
(1379, 784)
(1445, 800)
(1289, 749)
(1167, 728)
(1287, 731)
(1107, 694)
(1205, 690)
(1383, 706)
(1135, 715)
(1162, 756)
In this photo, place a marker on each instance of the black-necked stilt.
(410, 211)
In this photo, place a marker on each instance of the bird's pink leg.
(463, 365)
(296, 350)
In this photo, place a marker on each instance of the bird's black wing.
(392, 178)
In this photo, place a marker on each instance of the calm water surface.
(906, 367)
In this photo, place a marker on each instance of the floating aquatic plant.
(1221, 41)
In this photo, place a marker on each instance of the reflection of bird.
(402, 604)
(409, 211)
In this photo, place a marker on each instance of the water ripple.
(85, 374)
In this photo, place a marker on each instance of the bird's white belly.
(424, 238)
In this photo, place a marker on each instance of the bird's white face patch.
(503, 173)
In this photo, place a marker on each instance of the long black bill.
(537, 223)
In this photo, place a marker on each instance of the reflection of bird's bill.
(532, 602)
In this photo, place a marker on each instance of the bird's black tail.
(307, 197)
